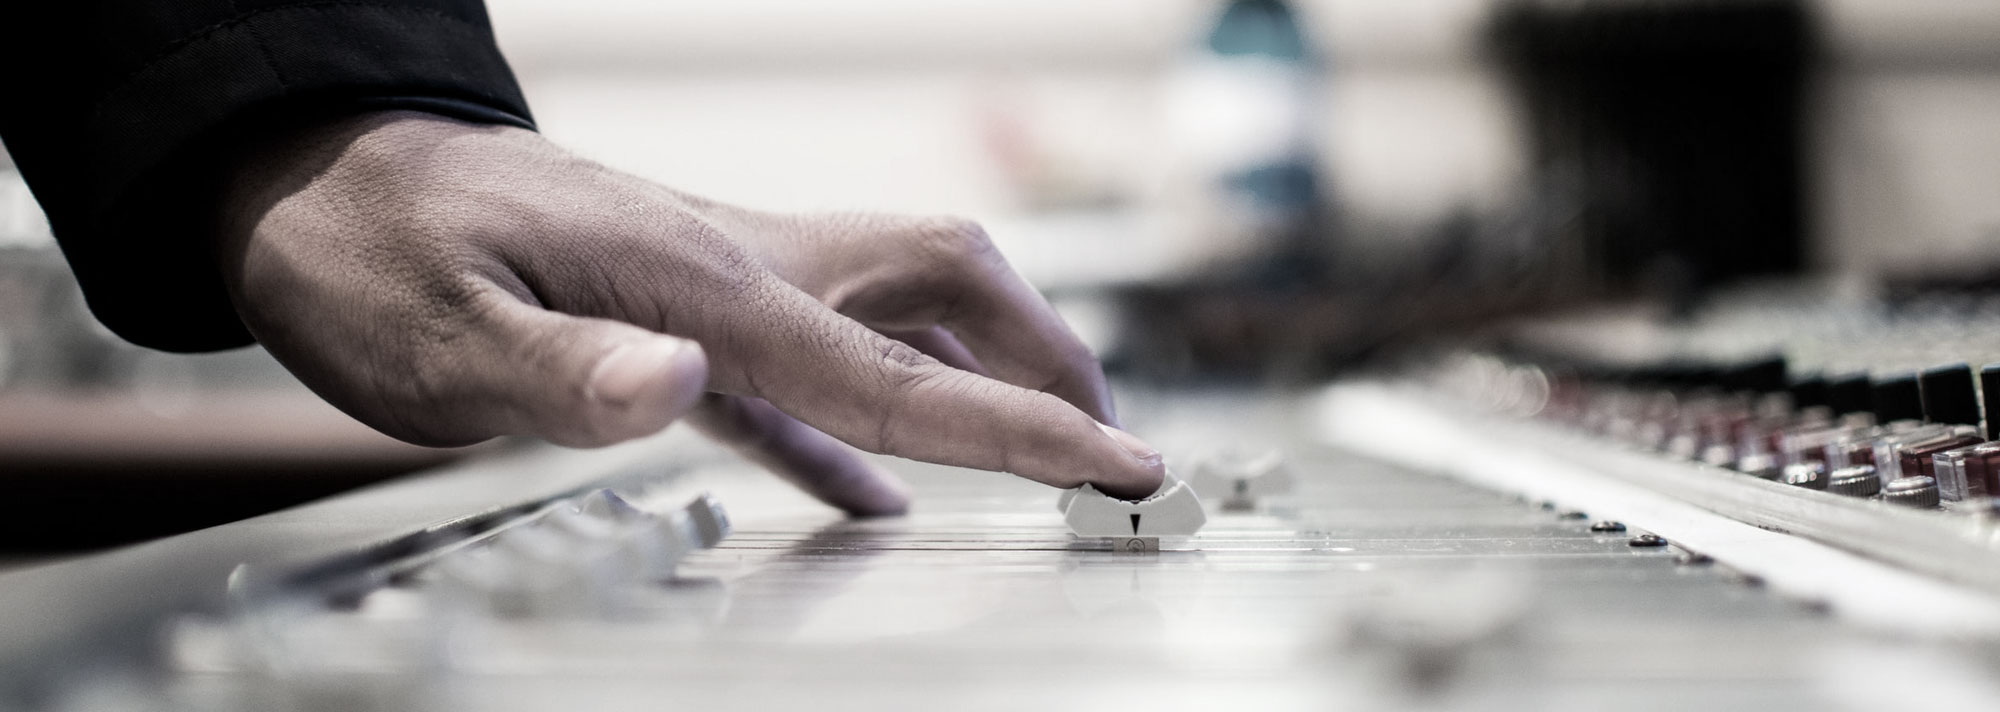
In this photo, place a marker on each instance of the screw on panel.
(1647, 541)
(1608, 526)
(1573, 515)
(1741, 577)
(1693, 558)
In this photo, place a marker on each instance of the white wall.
(1909, 148)
(881, 104)
(884, 104)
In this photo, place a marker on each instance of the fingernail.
(1132, 444)
(625, 375)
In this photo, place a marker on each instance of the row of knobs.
(586, 558)
(1920, 492)
(578, 557)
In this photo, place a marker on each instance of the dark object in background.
(86, 469)
(1285, 187)
(1671, 131)
(1949, 395)
(1898, 397)
(78, 505)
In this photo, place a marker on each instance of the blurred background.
(1237, 192)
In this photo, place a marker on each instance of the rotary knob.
(1760, 465)
(1810, 475)
(1919, 492)
(1855, 481)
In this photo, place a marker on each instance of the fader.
(1242, 478)
(1172, 511)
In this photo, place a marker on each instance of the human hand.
(447, 283)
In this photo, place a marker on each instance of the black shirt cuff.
(126, 170)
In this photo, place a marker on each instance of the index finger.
(1014, 331)
(884, 396)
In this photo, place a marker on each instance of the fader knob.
(1172, 511)
(711, 523)
(1241, 478)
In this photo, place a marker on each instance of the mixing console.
(1862, 423)
(611, 580)
(1863, 398)
(1858, 397)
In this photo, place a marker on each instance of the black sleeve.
(115, 112)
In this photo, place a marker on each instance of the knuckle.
(901, 363)
(953, 241)
(1054, 418)
(1042, 435)
(906, 374)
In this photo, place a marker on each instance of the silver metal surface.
(65, 619)
(1371, 586)
(1863, 558)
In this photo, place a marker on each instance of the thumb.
(587, 382)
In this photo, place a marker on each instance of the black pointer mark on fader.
(1135, 525)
